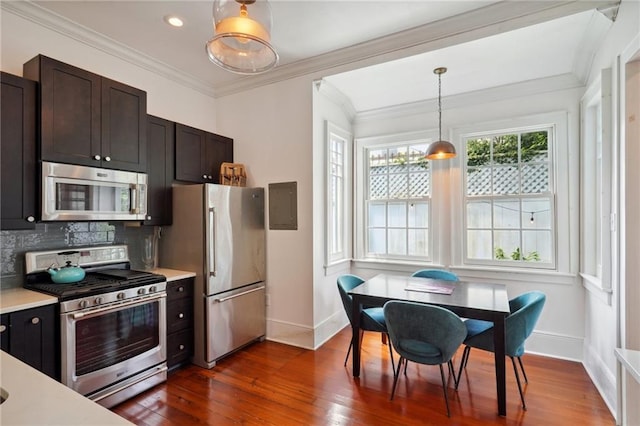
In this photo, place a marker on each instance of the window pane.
(505, 149)
(377, 187)
(505, 180)
(536, 214)
(397, 214)
(377, 215)
(418, 242)
(535, 178)
(506, 214)
(398, 185)
(535, 147)
(478, 152)
(507, 245)
(419, 215)
(377, 241)
(377, 161)
(537, 246)
(419, 185)
(479, 214)
(398, 241)
(479, 245)
(479, 181)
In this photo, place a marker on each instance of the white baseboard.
(555, 345)
(603, 379)
(291, 334)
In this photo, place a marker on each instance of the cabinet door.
(219, 150)
(70, 111)
(124, 127)
(160, 146)
(18, 155)
(190, 154)
(4, 332)
(33, 338)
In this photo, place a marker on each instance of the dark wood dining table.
(481, 301)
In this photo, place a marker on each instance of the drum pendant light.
(440, 149)
(241, 43)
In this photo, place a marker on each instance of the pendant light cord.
(439, 107)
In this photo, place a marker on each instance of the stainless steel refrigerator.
(218, 233)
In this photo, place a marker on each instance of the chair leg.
(396, 374)
(393, 367)
(463, 363)
(444, 388)
(453, 373)
(522, 368)
(515, 369)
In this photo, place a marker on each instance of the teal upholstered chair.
(371, 319)
(436, 274)
(434, 344)
(525, 311)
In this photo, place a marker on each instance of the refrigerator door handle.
(212, 242)
(224, 299)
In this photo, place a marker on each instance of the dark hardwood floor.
(274, 384)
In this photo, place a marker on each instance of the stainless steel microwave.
(78, 193)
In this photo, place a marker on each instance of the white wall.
(22, 39)
(601, 317)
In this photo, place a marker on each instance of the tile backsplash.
(64, 235)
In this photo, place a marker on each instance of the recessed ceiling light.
(173, 20)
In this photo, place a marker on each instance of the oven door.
(113, 344)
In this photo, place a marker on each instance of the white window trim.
(360, 190)
(600, 91)
(337, 261)
(563, 247)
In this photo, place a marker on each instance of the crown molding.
(489, 20)
(82, 34)
(332, 93)
(478, 97)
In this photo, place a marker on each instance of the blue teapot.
(66, 274)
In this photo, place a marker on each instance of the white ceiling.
(315, 35)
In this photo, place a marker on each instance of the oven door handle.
(89, 314)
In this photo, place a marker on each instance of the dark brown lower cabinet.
(179, 322)
(31, 335)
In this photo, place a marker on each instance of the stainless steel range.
(112, 322)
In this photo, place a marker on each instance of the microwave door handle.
(212, 242)
(135, 208)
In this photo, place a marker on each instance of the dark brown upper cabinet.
(160, 144)
(18, 157)
(199, 154)
(88, 119)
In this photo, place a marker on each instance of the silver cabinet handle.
(180, 315)
(3, 328)
(97, 157)
(181, 347)
(148, 217)
(31, 219)
(210, 177)
(204, 176)
(107, 158)
(180, 289)
(35, 320)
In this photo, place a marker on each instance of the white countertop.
(173, 274)
(37, 399)
(17, 299)
(630, 360)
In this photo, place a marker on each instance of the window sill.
(339, 266)
(594, 286)
(393, 265)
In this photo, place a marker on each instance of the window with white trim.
(509, 208)
(338, 190)
(397, 199)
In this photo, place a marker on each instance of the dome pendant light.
(241, 43)
(440, 150)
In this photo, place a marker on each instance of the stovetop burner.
(97, 283)
(107, 270)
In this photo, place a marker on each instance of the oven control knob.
(99, 300)
(142, 291)
(120, 295)
(83, 304)
(153, 289)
